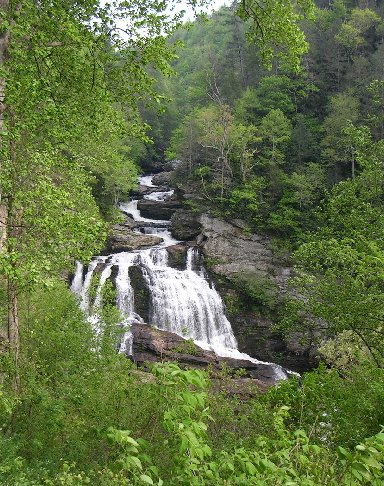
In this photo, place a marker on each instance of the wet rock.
(123, 238)
(128, 223)
(255, 334)
(171, 165)
(151, 345)
(142, 295)
(114, 274)
(162, 179)
(176, 256)
(162, 210)
(185, 224)
(142, 191)
(254, 284)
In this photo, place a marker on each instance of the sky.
(183, 5)
(215, 5)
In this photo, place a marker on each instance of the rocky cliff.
(253, 282)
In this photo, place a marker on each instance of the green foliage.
(274, 23)
(352, 33)
(132, 461)
(258, 291)
(340, 266)
(275, 129)
(335, 408)
(344, 351)
(186, 347)
(198, 441)
(279, 150)
(247, 202)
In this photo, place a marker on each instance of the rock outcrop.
(162, 210)
(177, 255)
(162, 179)
(142, 292)
(151, 344)
(255, 281)
(123, 238)
(234, 250)
(142, 191)
(185, 224)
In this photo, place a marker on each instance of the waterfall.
(184, 303)
(181, 301)
(77, 282)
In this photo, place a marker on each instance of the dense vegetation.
(297, 153)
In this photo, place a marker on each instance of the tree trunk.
(353, 166)
(5, 224)
(4, 55)
(13, 329)
(240, 53)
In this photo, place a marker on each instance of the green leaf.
(251, 470)
(344, 454)
(136, 461)
(371, 461)
(361, 469)
(146, 479)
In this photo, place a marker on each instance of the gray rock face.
(247, 263)
(185, 225)
(151, 344)
(123, 238)
(162, 210)
(233, 250)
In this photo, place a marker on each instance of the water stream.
(181, 301)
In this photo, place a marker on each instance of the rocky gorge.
(167, 263)
(248, 273)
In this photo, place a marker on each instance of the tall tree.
(64, 68)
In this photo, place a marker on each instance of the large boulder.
(185, 224)
(151, 345)
(162, 210)
(162, 179)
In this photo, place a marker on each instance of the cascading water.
(181, 301)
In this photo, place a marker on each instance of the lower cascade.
(182, 301)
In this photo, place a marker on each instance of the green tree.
(275, 130)
(66, 76)
(336, 148)
(276, 22)
(341, 264)
(352, 34)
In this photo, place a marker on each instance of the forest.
(269, 113)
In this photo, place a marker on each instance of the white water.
(159, 196)
(182, 301)
(146, 181)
